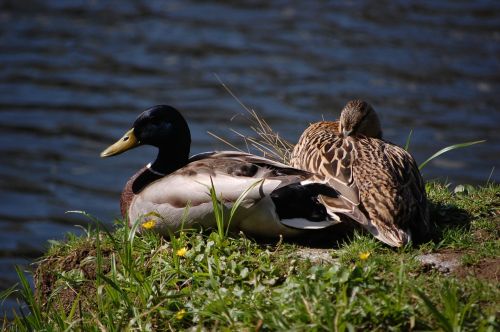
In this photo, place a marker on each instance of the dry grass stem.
(267, 141)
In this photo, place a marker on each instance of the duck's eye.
(125, 138)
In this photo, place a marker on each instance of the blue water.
(74, 74)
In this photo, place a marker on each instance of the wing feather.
(230, 173)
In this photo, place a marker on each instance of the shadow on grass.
(327, 238)
(446, 217)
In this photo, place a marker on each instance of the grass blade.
(408, 139)
(97, 222)
(448, 148)
(445, 324)
(35, 319)
(224, 141)
(218, 207)
(239, 201)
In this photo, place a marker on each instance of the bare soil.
(448, 261)
(52, 292)
(487, 269)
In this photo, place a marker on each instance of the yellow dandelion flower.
(364, 255)
(180, 314)
(148, 224)
(181, 252)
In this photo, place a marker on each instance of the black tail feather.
(301, 201)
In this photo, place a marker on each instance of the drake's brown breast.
(135, 185)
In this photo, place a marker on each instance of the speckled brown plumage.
(380, 181)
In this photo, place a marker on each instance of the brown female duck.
(379, 182)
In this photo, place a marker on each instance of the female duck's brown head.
(161, 126)
(359, 117)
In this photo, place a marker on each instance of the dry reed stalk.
(267, 141)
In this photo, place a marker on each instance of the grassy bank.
(114, 281)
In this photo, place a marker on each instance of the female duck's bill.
(173, 191)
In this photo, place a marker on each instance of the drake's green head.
(161, 126)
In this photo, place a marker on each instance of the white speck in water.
(484, 87)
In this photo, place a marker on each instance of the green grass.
(116, 280)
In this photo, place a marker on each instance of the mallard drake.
(173, 191)
(379, 182)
